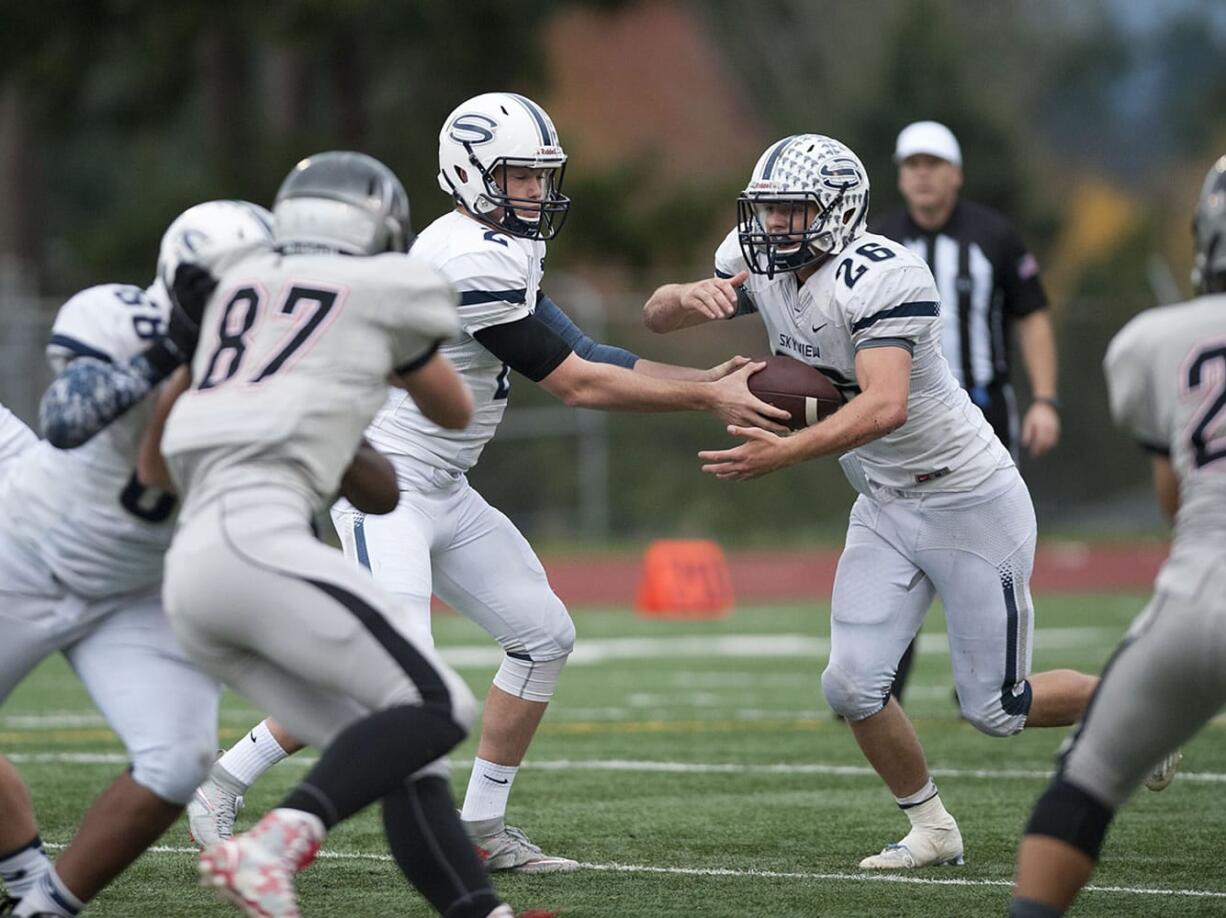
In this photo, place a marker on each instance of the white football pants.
(975, 549)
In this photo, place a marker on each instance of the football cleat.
(504, 847)
(922, 847)
(1164, 772)
(255, 871)
(213, 809)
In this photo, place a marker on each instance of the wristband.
(163, 358)
(1052, 401)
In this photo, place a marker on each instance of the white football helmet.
(799, 174)
(1209, 232)
(488, 133)
(342, 201)
(203, 232)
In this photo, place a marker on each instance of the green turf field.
(694, 769)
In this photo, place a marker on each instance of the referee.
(989, 286)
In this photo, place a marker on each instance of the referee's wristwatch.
(1050, 400)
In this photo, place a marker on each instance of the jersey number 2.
(240, 315)
(1208, 437)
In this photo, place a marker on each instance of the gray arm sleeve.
(549, 313)
(90, 393)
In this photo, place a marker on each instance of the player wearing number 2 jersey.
(81, 547)
(942, 509)
(501, 163)
(1166, 375)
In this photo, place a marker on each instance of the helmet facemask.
(551, 209)
(787, 250)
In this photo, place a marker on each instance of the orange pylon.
(684, 578)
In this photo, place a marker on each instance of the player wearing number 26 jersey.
(942, 509)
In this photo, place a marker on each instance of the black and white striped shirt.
(986, 279)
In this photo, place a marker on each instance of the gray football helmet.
(1209, 232)
(343, 201)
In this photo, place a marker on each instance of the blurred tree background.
(1090, 124)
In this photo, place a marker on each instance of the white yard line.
(905, 878)
(642, 765)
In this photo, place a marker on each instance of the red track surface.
(797, 574)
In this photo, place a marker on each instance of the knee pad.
(1067, 813)
(997, 715)
(847, 698)
(529, 679)
(173, 772)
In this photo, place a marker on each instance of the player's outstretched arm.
(439, 392)
(151, 468)
(370, 481)
(676, 306)
(582, 384)
(552, 315)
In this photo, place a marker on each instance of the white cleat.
(504, 847)
(255, 871)
(921, 848)
(212, 811)
(1164, 772)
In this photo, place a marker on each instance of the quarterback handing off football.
(797, 388)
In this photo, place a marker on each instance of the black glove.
(189, 294)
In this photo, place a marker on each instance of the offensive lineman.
(297, 346)
(942, 509)
(501, 163)
(1166, 373)
(81, 544)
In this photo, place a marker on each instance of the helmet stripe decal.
(547, 140)
(775, 154)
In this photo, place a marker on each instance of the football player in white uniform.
(22, 860)
(81, 545)
(501, 163)
(298, 344)
(1166, 375)
(14, 437)
(942, 509)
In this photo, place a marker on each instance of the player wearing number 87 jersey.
(942, 509)
(81, 548)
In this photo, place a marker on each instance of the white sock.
(931, 814)
(253, 755)
(50, 897)
(928, 790)
(488, 788)
(21, 869)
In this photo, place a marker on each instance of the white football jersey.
(1166, 375)
(292, 365)
(878, 293)
(498, 277)
(82, 511)
(14, 438)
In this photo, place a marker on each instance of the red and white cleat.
(255, 871)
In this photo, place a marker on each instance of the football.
(798, 388)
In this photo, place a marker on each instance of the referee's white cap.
(930, 137)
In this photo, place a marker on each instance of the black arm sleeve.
(528, 346)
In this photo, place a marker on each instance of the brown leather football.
(803, 391)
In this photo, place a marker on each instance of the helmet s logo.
(192, 240)
(472, 128)
(839, 174)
